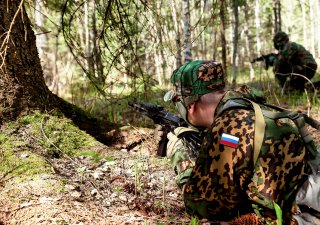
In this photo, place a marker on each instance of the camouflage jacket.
(293, 56)
(225, 183)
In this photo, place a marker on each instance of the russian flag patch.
(229, 140)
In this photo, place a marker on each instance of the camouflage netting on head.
(280, 39)
(198, 77)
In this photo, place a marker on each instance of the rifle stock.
(168, 122)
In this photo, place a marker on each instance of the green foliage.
(194, 221)
(278, 213)
(96, 157)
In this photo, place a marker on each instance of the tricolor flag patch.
(229, 140)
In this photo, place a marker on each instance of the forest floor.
(109, 185)
(106, 185)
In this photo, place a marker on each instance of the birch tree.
(248, 46)
(312, 28)
(304, 21)
(186, 31)
(257, 22)
(178, 61)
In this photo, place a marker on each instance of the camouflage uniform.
(292, 58)
(225, 182)
(205, 76)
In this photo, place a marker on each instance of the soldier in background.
(293, 63)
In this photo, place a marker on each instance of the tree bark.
(223, 35)
(257, 21)
(187, 31)
(235, 42)
(312, 29)
(178, 56)
(277, 15)
(22, 85)
(304, 21)
(318, 27)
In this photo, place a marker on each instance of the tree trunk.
(257, 21)
(214, 42)
(277, 15)
(98, 66)
(223, 35)
(312, 30)
(318, 27)
(248, 46)
(304, 21)
(22, 85)
(162, 61)
(187, 31)
(89, 66)
(235, 42)
(178, 56)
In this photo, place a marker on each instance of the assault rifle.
(169, 122)
(268, 59)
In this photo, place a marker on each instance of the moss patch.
(57, 135)
(24, 142)
(15, 162)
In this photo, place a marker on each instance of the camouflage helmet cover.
(280, 38)
(197, 78)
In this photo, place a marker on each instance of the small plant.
(96, 157)
(81, 171)
(117, 189)
(194, 221)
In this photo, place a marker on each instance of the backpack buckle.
(293, 115)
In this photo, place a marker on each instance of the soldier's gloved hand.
(158, 132)
(175, 143)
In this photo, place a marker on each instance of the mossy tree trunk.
(22, 85)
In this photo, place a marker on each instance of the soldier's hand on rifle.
(176, 143)
(158, 132)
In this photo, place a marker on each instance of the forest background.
(97, 53)
(89, 59)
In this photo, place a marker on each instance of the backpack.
(307, 200)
